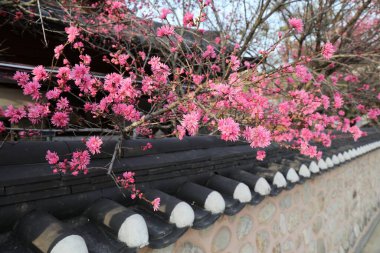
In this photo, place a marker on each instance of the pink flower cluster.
(188, 19)
(328, 50)
(94, 144)
(156, 204)
(229, 129)
(164, 13)
(165, 30)
(297, 24)
(72, 33)
(60, 119)
(258, 137)
(190, 122)
(260, 155)
(52, 157)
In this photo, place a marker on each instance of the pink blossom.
(156, 203)
(63, 104)
(58, 51)
(320, 78)
(93, 144)
(18, 15)
(80, 160)
(32, 89)
(2, 127)
(191, 122)
(53, 94)
(378, 96)
(259, 137)
(308, 150)
(229, 129)
(306, 134)
(60, 119)
(127, 111)
(165, 30)
(52, 157)
(39, 73)
(297, 24)
(338, 100)
(21, 78)
(147, 146)
(215, 68)
(197, 79)
(78, 45)
(78, 72)
(72, 33)
(325, 101)
(235, 63)
(181, 132)
(164, 13)
(86, 59)
(64, 73)
(14, 114)
(373, 113)
(303, 74)
(328, 50)
(142, 55)
(128, 176)
(36, 112)
(356, 132)
(351, 78)
(188, 19)
(209, 53)
(260, 155)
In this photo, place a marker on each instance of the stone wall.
(328, 214)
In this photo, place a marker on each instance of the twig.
(117, 148)
(5, 139)
(42, 22)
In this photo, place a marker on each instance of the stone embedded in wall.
(321, 200)
(188, 247)
(311, 247)
(345, 242)
(267, 212)
(283, 227)
(247, 248)
(307, 192)
(308, 213)
(287, 246)
(352, 238)
(277, 248)
(244, 227)
(356, 230)
(297, 196)
(307, 235)
(317, 225)
(286, 202)
(298, 241)
(321, 246)
(262, 241)
(293, 220)
(276, 231)
(221, 240)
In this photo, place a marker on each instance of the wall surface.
(327, 214)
